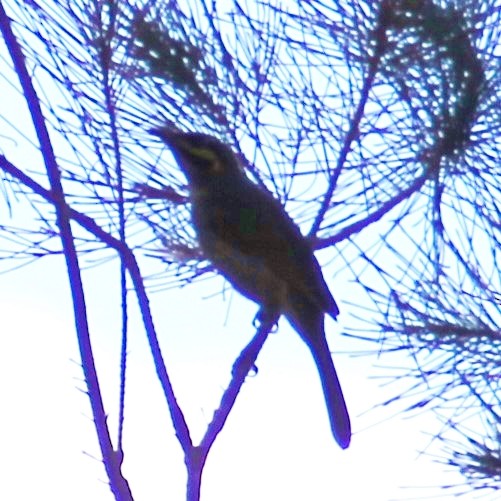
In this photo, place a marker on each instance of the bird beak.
(171, 137)
(179, 145)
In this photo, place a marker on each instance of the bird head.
(202, 157)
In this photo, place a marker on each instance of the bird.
(250, 239)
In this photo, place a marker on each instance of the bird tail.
(309, 323)
(333, 394)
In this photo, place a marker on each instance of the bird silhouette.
(251, 240)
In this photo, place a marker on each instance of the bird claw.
(266, 315)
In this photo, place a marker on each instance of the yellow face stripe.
(204, 153)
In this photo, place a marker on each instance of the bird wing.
(256, 227)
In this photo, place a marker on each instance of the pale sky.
(276, 445)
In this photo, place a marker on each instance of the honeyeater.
(251, 240)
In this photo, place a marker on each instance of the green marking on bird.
(248, 221)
